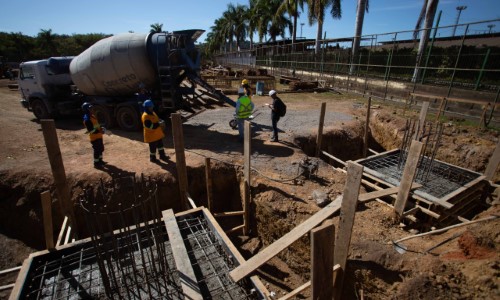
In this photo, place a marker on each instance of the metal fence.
(464, 66)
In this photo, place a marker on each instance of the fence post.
(319, 138)
(482, 68)
(458, 59)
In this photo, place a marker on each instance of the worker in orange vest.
(153, 132)
(95, 132)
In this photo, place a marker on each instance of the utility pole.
(459, 9)
(301, 24)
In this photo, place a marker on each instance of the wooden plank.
(191, 201)
(407, 177)
(346, 222)
(492, 167)
(7, 287)
(61, 232)
(319, 138)
(239, 227)
(384, 192)
(303, 287)
(421, 119)
(58, 171)
(334, 158)
(322, 243)
(229, 214)
(68, 235)
(10, 270)
(21, 278)
(180, 158)
(185, 270)
(208, 180)
(265, 255)
(230, 247)
(247, 152)
(47, 219)
(367, 128)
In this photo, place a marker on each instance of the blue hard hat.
(148, 103)
(86, 106)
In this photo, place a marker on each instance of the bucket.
(260, 88)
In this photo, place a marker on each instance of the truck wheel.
(127, 118)
(103, 115)
(39, 109)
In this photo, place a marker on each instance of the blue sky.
(113, 17)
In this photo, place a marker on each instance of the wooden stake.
(57, 166)
(246, 186)
(422, 117)
(319, 138)
(322, 243)
(493, 163)
(346, 222)
(367, 128)
(208, 179)
(47, 219)
(407, 178)
(180, 159)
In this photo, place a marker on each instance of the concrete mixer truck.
(109, 74)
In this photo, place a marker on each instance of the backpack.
(280, 107)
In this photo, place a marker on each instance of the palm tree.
(428, 11)
(46, 41)
(252, 16)
(360, 16)
(269, 22)
(292, 8)
(316, 13)
(156, 28)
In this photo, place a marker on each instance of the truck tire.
(39, 109)
(103, 115)
(127, 118)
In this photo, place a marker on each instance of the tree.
(156, 28)
(427, 14)
(46, 42)
(292, 8)
(316, 13)
(358, 30)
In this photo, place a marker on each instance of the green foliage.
(17, 47)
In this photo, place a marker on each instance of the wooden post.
(319, 138)
(322, 243)
(246, 186)
(180, 159)
(367, 128)
(47, 219)
(346, 222)
(407, 178)
(421, 120)
(57, 166)
(208, 179)
(493, 163)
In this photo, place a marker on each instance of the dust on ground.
(465, 268)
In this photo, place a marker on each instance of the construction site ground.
(467, 267)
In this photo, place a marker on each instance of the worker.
(243, 111)
(153, 131)
(95, 132)
(278, 109)
(143, 93)
(245, 89)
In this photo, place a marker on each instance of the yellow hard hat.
(244, 81)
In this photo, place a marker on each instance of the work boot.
(163, 156)
(152, 158)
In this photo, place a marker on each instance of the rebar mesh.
(211, 263)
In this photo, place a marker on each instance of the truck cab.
(46, 87)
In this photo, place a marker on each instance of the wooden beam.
(185, 270)
(303, 287)
(192, 204)
(407, 177)
(61, 232)
(384, 192)
(319, 138)
(421, 119)
(247, 171)
(47, 219)
(180, 159)
(322, 243)
(239, 227)
(367, 128)
(229, 214)
(7, 287)
(208, 180)
(334, 158)
(346, 222)
(21, 278)
(272, 250)
(58, 171)
(10, 270)
(492, 166)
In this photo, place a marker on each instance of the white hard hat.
(272, 92)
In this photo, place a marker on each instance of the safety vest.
(245, 109)
(96, 133)
(150, 134)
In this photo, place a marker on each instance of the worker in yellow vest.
(243, 111)
(95, 132)
(153, 132)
